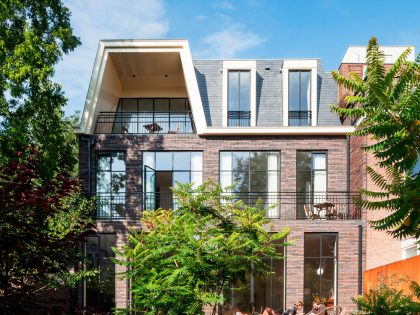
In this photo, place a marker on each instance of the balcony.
(145, 122)
(284, 206)
(239, 118)
(300, 118)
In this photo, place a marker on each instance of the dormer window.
(299, 98)
(239, 94)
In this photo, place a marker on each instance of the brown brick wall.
(336, 148)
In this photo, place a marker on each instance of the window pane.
(245, 79)
(225, 179)
(259, 182)
(303, 181)
(241, 179)
(196, 178)
(181, 178)
(320, 181)
(304, 161)
(241, 161)
(312, 280)
(164, 161)
(305, 79)
(226, 161)
(104, 163)
(118, 182)
(327, 277)
(162, 105)
(259, 161)
(146, 104)
(319, 161)
(149, 159)
(118, 163)
(129, 105)
(103, 182)
(196, 161)
(178, 105)
(293, 91)
(233, 82)
(328, 245)
(182, 161)
(273, 161)
(312, 245)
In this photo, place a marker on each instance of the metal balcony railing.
(145, 122)
(300, 118)
(239, 118)
(285, 206)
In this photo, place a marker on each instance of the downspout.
(90, 141)
(360, 265)
(348, 163)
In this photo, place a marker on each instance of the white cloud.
(229, 42)
(105, 19)
(225, 5)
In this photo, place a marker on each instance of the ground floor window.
(261, 291)
(100, 291)
(320, 268)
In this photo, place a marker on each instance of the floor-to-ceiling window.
(100, 290)
(110, 185)
(162, 170)
(256, 175)
(320, 267)
(311, 180)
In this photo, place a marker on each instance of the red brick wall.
(336, 147)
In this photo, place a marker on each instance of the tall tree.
(42, 214)
(34, 35)
(388, 104)
(194, 255)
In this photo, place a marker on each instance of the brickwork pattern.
(336, 148)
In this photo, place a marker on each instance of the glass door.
(149, 188)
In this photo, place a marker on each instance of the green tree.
(388, 104)
(34, 35)
(191, 256)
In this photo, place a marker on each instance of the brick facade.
(337, 180)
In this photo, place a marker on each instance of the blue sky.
(252, 29)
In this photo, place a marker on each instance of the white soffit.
(278, 131)
(357, 54)
(138, 46)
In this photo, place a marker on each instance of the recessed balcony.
(147, 116)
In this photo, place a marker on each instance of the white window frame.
(300, 64)
(240, 65)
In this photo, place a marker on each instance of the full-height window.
(162, 170)
(299, 98)
(110, 185)
(311, 179)
(239, 113)
(256, 175)
(320, 267)
(100, 291)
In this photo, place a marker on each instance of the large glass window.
(110, 185)
(320, 267)
(261, 291)
(162, 170)
(100, 291)
(311, 180)
(256, 175)
(239, 98)
(299, 98)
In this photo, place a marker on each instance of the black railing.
(299, 118)
(239, 119)
(144, 122)
(285, 206)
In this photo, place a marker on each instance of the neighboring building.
(381, 247)
(154, 116)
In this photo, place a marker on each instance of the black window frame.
(303, 117)
(240, 117)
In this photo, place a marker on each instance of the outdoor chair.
(175, 131)
(336, 213)
(321, 311)
(310, 214)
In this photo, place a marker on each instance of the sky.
(246, 29)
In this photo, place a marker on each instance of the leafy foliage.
(34, 34)
(189, 256)
(386, 300)
(388, 104)
(41, 224)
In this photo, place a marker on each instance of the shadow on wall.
(202, 84)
